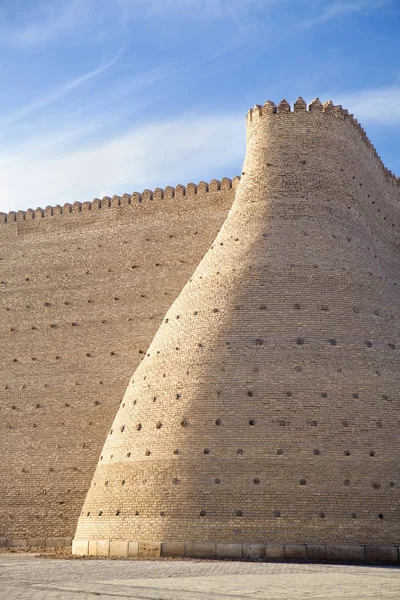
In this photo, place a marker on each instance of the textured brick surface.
(265, 408)
(82, 295)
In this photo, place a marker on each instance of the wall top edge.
(167, 193)
(270, 109)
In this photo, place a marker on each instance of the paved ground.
(26, 577)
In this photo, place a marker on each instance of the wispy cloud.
(208, 145)
(219, 9)
(58, 93)
(377, 105)
(335, 10)
(47, 20)
(41, 21)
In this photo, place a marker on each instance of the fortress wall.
(267, 407)
(83, 290)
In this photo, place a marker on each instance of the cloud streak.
(340, 9)
(159, 154)
(58, 93)
(377, 106)
(44, 21)
(49, 19)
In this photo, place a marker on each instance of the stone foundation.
(36, 543)
(364, 554)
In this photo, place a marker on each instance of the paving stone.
(151, 549)
(80, 547)
(336, 552)
(384, 555)
(254, 551)
(172, 549)
(133, 549)
(118, 548)
(229, 550)
(103, 548)
(200, 549)
(274, 551)
(295, 551)
(316, 552)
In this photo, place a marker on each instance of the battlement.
(316, 107)
(136, 198)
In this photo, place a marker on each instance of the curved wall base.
(376, 554)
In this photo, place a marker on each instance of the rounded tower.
(266, 409)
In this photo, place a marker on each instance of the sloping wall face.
(267, 407)
(83, 291)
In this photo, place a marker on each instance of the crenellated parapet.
(189, 191)
(316, 107)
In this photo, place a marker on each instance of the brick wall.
(83, 291)
(266, 408)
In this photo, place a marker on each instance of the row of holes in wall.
(204, 513)
(373, 202)
(239, 452)
(257, 341)
(218, 422)
(210, 275)
(262, 307)
(256, 481)
(306, 234)
(236, 239)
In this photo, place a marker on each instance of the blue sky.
(102, 97)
